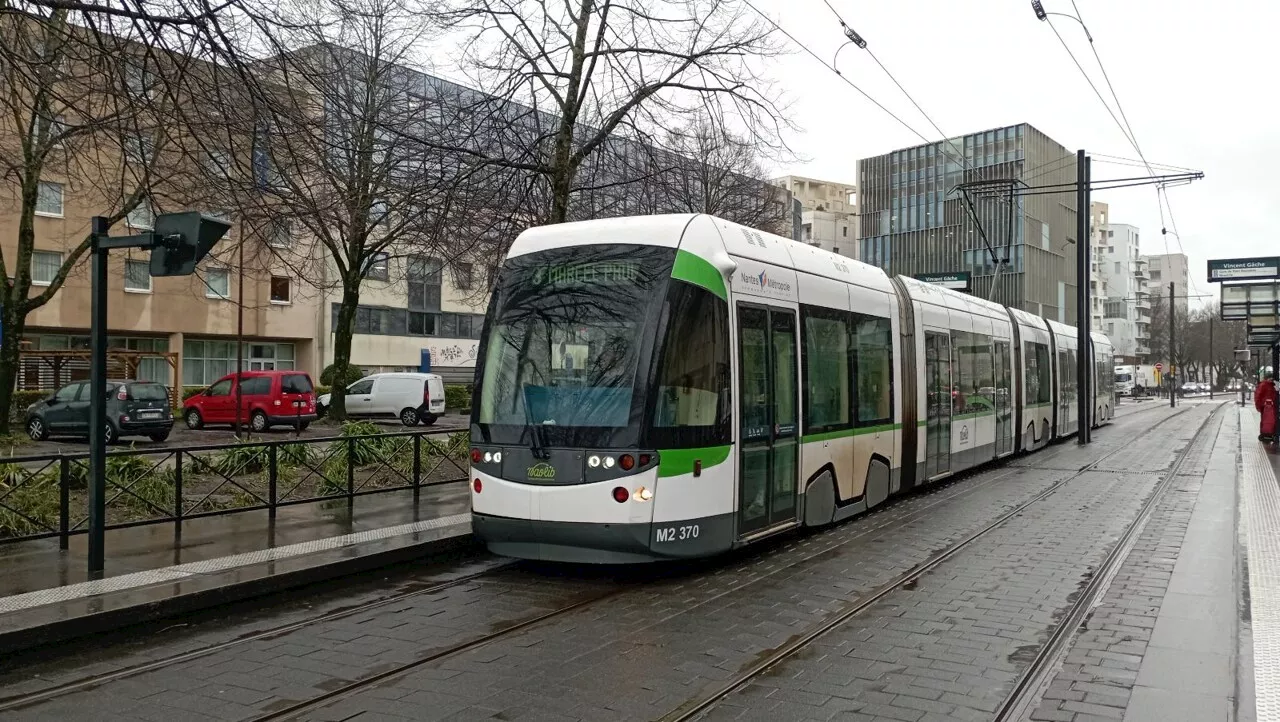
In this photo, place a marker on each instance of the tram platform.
(1137, 578)
(161, 571)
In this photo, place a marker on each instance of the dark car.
(134, 408)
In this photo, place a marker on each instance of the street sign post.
(179, 242)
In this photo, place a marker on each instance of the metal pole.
(1082, 297)
(239, 337)
(99, 227)
(1212, 376)
(1173, 393)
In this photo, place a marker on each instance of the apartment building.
(1172, 268)
(829, 213)
(1128, 305)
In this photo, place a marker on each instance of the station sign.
(958, 281)
(1244, 269)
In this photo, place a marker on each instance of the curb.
(76, 627)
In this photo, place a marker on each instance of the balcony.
(1142, 350)
(1140, 271)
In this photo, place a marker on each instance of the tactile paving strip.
(135, 580)
(1261, 495)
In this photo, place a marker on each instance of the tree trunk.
(342, 333)
(14, 326)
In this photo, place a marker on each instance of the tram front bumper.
(565, 541)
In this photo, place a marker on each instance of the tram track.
(96, 680)
(1031, 684)
(946, 494)
(293, 710)
(693, 709)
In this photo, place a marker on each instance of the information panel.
(958, 281)
(1244, 269)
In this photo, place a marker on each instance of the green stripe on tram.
(845, 433)
(698, 271)
(677, 462)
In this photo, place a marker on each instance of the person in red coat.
(1264, 400)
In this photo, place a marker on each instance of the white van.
(414, 397)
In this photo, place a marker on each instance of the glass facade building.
(913, 220)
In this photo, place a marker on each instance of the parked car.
(282, 398)
(134, 408)
(416, 398)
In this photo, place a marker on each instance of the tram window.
(976, 390)
(692, 403)
(827, 356)
(1039, 386)
(875, 370)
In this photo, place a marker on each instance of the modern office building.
(829, 215)
(914, 219)
(1169, 268)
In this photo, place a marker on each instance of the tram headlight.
(609, 462)
(497, 457)
(488, 457)
(593, 462)
(642, 494)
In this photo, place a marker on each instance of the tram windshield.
(566, 343)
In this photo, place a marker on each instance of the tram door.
(1004, 409)
(769, 428)
(937, 382)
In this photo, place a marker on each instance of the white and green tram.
(676, 386)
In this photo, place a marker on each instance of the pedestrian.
(1264, 400)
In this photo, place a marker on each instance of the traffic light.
(182, 240)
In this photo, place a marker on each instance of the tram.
(676, 386)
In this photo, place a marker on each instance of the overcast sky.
(1193, 78)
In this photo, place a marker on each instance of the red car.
(282, 398)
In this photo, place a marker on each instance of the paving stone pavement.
(648, 650)
(951, 646)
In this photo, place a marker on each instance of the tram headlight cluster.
(626, 462)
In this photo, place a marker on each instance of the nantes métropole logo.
(541, 470)
(763, 281)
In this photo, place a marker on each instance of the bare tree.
(87, 113)
(710, 170)
(602, 71)
(351, 155)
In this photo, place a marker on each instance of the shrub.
(21, 400)
(244, 458)
(31, 503)
(189, 391)
(331, 377)
(457, 396)
(147, 483)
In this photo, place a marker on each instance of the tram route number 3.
(676, 533)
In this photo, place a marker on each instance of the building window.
(377, 268)
(44, 266)
(463, 276)
(52, 130)
(280, 290)
(49, 199)
(424, 283)
(206, 361)
(1117, 266)
(138, 149)
(143, 216)
(280, 234)
(137, 276)
(1155, 275)
(217, 283)
(844, 231)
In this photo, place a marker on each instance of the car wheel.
(258, 422)
(409, 417)
(112, 435)
(159, 436)
(36, 429)
(427, 419)
(320, 410)
(303, 426)
(194, 420)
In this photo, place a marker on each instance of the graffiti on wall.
(452, 352)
